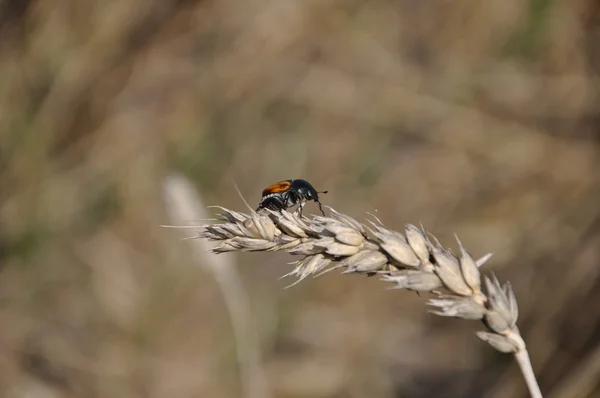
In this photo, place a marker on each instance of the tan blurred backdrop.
(476, 118)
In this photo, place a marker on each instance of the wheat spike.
(413, 260)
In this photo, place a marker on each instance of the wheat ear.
(413, 260)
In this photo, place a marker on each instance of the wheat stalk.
(413, 260)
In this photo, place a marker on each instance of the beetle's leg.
(320, 208)
(300, 208)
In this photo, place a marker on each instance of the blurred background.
(476, 118)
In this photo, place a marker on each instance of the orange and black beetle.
(287, 193)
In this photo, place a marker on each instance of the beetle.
(288, 193)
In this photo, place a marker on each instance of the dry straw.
(413, 260)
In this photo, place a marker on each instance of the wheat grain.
(413, 260)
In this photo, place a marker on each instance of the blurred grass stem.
(184, 204)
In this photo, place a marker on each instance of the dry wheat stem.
(413, 260)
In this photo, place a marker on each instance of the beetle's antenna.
(322, 191)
